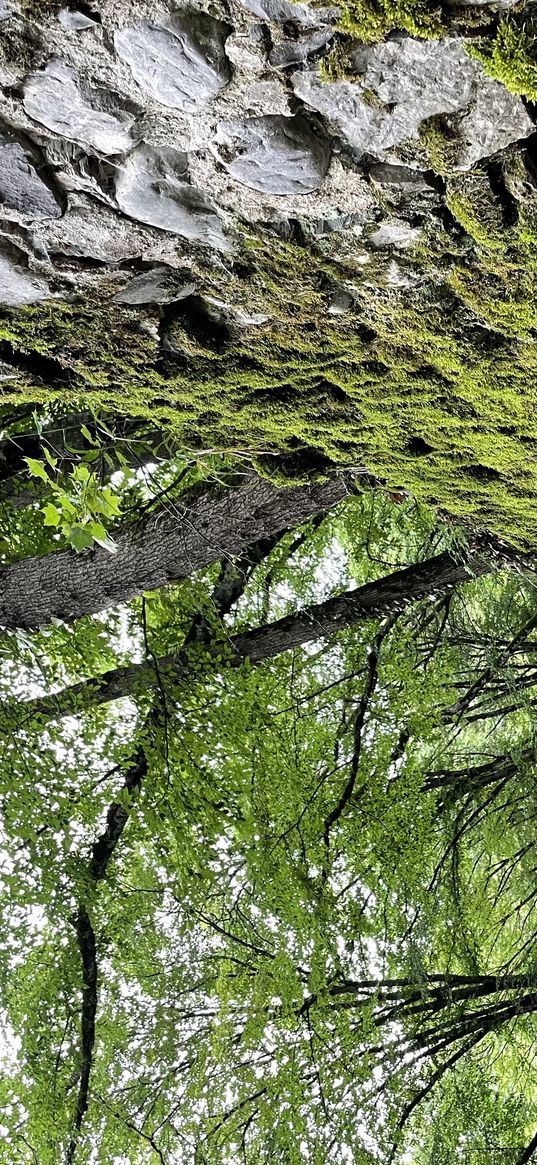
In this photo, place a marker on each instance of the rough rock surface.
(22, 191)
(152, 186)
(415, 80)
(18, 286)
(239, 220)
(183, 65)
(53, 98)
(275, 155)
(133, 133)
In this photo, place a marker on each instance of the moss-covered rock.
(385, 319)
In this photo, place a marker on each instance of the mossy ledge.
(429, 386)
(413, 357)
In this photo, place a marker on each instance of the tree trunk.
(171, 544)
(318, 621)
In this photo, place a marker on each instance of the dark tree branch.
(461, 706)
(528, 1152)
(386, 596)
(86, 944)
(359, 722)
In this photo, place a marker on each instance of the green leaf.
(80, 537)
(37, 468)
(53, 461)
(100, 535)
(86, 433)
(52, 514)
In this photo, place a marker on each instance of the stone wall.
(135, 131)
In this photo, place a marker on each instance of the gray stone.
(232, 316)
(152, 186)
(273, 154)
(54, 99)
(395, 233)
(396, 277)
(183, 65)
(246, 51)
(493, 120)
(495, 4)
(74, 21)
(295, 52)
(22, 190)
(414, 80)
(7, 372)
(400, 177)
(340, 303)
(342, 105)
(156, 286)
(282, 11)
(6, 10)
(405, 191)
(18, 286)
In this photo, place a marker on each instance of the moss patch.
(510, 54)
(431, 387)
(371, 20)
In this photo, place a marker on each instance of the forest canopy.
(267, 791)
(268, 607)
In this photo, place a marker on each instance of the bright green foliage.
(281, 969)
(80, 505)
(371, 20)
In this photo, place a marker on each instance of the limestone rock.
(282, 11)
(156, 286)
(494, 4)
(273, 154)
(136, 133)
(183, 65)
(246, 51)
(395, 233)
(75, 21)
(414, 80)
(152, 186)
(22, 190)
(7, 372)
(340, 302)
(19, 286)
(295, 52)
(346, 112)
(54, 99)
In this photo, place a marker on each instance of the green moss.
(440, 143)
(478, 210)
(370, 20)
(432, 387)
(510, 56)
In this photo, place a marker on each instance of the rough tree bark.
(170, 544)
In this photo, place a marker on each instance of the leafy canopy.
(272, 913)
